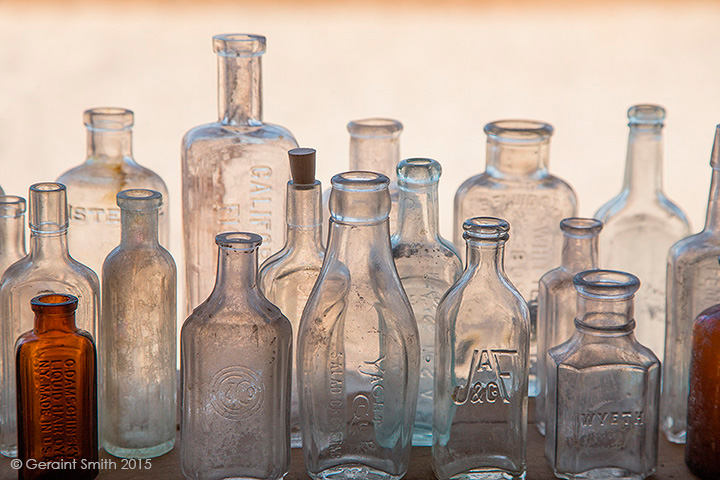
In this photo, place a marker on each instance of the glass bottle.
(516, 185)
(481, 365)
(12, 230)
(641, 223)
(92, 186)
(556, 301)
(428, 266)
(693, 281)
(234, 170)
(235, 372)
(138, 335)
(57, 393)
(48, 267)
(358, 349)
(288, 277)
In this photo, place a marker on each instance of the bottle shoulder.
(117, 176)
(475, 298)
(481, 186)
(69, 273)
(33, 342)
(583, 352)
(656, 213)
(694, 248)
(122, 260)
(217, 135)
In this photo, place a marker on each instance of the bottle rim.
(108, 119)
(519, 131)
(64, 302)
(374, 127)
(486, 228)
(360, 181)
(418, 171)
(601, 284)
(646, 114)
(245, 241)
(139, 199)
(12, 206)
(239, 44)
(581, 227)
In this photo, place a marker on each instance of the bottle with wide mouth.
(12, 230)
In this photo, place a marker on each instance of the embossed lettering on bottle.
(489, 379)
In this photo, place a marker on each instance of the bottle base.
(354, 472)
(422, 438)
(675, 437)
(150, 452)
(11, 452)
(486, 474)
(603, 474)
(541, 427)
(295, 439)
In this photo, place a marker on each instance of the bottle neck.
(109, 146)
(239, 90)
(485, 258)
(603, 318)
(12, 236)
(139, 228)
(643, 168)
(379, 154)
(418, 213)
(53, 322)
(712, 218)
(349, 242)
(304, 216)
(49, 246)
(579, 253)
(236, 272)
(521, 160)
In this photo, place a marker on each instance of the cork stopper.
(302, 165)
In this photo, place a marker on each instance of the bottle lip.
(375, 127)
(418, 171)
(519, 131)
(606, 284)
(239, 44)
(50, 190)
(12, 206)
(646, 114)
(486, 228)
(360, 181)
(580, 227)
(243, 241)
(54, 303)
(108, 119)
(139, 199)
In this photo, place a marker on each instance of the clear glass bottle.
(481, 365)
(516, 185)
(92, 186)
(428, 266)
(358, 349)
(57, 393)
(641, 223)
(603, 387)
(138, 335)
(48, 267)
(556, 301)
(12, 230)
(288, 277)
(693, 282)
(234, 170)
(235, 372)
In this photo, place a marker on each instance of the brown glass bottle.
(56, 394)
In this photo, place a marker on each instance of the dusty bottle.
(48, 267)
(516, 185)
(234, 170)
(12, 230)
(288, 277)
(138, 335)
(235, 374)
(481, 365)
(556, 302)
(603, 387)
(57, 393)
(428, 266)
(358, 350)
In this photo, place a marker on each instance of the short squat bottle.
(12, 230)
(137, 334)
(234, 170)
(48, 267)
(428, 266)
(57, 394)
(481, 365)
(516, 185)
(235, 374)
(603, 387)
(358, 351)
(556, 302)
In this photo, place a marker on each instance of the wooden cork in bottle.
(302, 165)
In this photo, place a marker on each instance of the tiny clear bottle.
(137, 334)
(12, 230)
(358, 349)
(428, 266)
(603, 387)
(481, 365)
(556, 302)
(48, 267)
(235, 373)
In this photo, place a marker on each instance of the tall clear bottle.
(235, 371)
(92, 186)
(234, 170)
(48, 267)
(556, 302)
(481, 365)
(516, 186)
(138, 335)
(12, 230)
(428, 266)
(693, 282)
(358, 349)
(641, 223)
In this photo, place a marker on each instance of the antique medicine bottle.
(603, 387)
(516, 185)
(235, 374)
(428, 265)
(481, 365)
(288, 277)
(12, 230)
(48, 267)
(57, 393)
(358, 350)
(138, 335)
(234, 170)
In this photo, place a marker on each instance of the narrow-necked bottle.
(481, 365)
(556, 302)
(516, 185)
(603, 387)
(234, 170)
(12, 230)
(48, 267)
(428, 266)
(358, 350)
(57, 394)
(288, 277)
(235, 373)
(138, 335)
(92, 186)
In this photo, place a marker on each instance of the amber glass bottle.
(56, 394)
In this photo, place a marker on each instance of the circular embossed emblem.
(236, 392)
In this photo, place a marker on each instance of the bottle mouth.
(419, 171)
(486, 229)
(139, 199)
(578, 227)
(243, 241)
(360, 182)
(375, 128)
(646, 114)
(239, 45)
(51, 303)
(48, 208)
(606, 284)
(109, 119)
(519, 131)
(11, 206)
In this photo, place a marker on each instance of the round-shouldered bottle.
(12, 230)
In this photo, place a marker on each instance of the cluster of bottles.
(396, 343)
